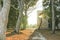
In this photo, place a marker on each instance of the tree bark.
(21, 5)
(4, 18)
(53, 17)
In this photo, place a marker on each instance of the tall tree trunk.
(21, 5)
(53, 17)
(4, 18)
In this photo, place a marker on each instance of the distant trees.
(47, 9)
(27, 4)
(52, 6)
(19, 7)
(23, 7)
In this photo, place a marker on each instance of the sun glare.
(32, 18)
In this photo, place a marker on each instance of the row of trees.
(18, 10)
(52, 8)
(23, 6)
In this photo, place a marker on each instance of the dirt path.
(23, 36)
(30, 34)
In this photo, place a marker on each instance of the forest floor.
(48, 34)
(28, 34)
(44, 34)
(24, 35)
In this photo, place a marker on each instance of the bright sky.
(32, 17)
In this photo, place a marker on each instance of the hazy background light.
(32, 17)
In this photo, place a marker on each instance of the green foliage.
(28, 3)
(46, 10)
(46, 4)
(13, 15)
(49, 8)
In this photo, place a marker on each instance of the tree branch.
(14, 7)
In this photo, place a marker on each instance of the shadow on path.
(36, 35)
(12, 33)
(23, 35)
